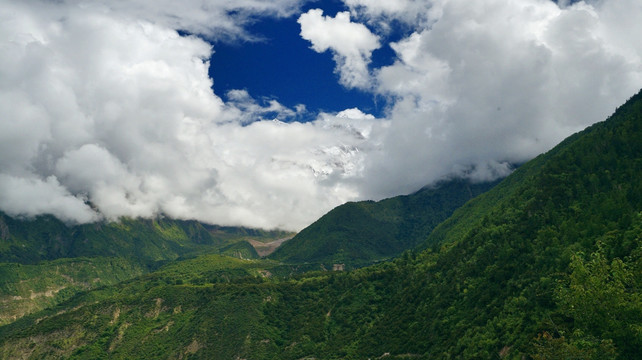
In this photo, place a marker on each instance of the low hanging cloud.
(487, 84)
(107, 111)
(106, 116)
(351, 44)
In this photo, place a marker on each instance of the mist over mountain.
(359, 233)
(328, 179)
(544, 265)
(148, 241)
(107, 109)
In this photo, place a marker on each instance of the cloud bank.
(107, 111)
(482, 85)
(106, 116)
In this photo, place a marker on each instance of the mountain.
(358, 233)
(44, 261)
(148, 241)
(546, 265)
(25, 289)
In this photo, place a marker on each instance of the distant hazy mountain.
(147, 241)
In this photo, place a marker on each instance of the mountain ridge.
(45, 237)
(358, 233)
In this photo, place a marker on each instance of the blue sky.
(274, 65)
(281, 65)
(269, 113)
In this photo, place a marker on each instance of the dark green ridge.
(364, 232)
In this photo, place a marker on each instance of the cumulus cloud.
(351, 43)
(107, 111)
(380, 13)
(105, 116)
(215, 19)
(31, 196)
(492, 83)
(250, 110)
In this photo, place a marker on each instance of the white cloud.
(104, 104)
(118, 113)
(381, 12)
(249, 110)
(215, 19)
(494, 82)
(354, 113)
(31, 196)
(351, 43)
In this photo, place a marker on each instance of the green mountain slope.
(44, 262)
(367, 231)
(28, 288)
(497, 270)
(547, 265)
(147, 241)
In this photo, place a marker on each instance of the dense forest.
(150, 241)
(358, 233)
(545, 265)
(44, 261)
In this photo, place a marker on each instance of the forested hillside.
(25, 289)
(44, 261)
(546, 265)
(358, 233)
(147, 241)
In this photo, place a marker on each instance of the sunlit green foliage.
(28, 288)
(602, 300)
(89, 256)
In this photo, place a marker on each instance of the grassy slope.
(368, 231)
(47, 262)
(148, 241)
(515, 265)
(28, 288)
